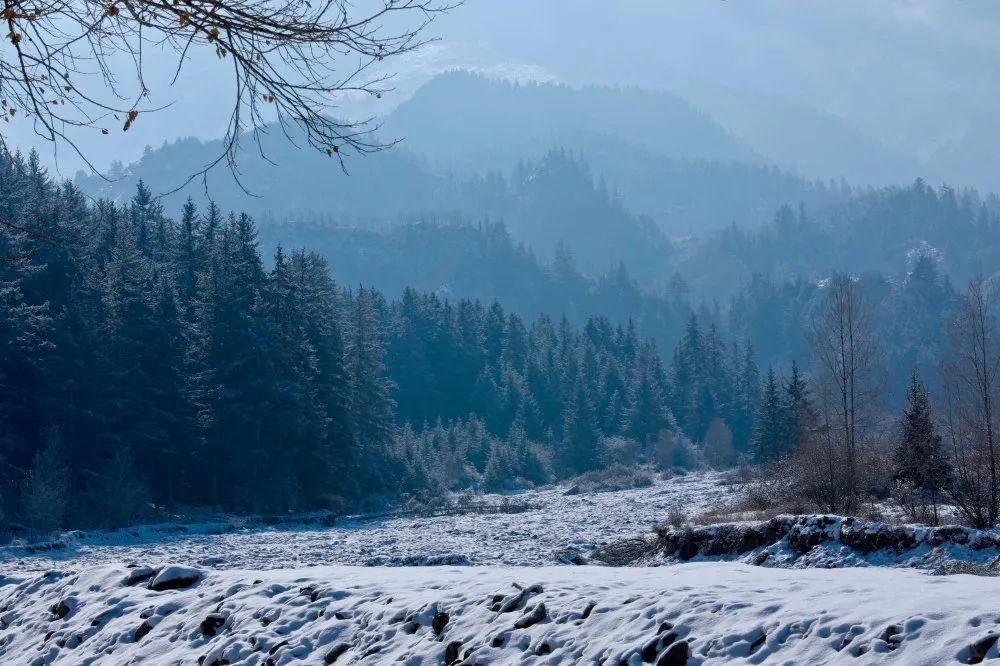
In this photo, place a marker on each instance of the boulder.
(451, 652)
(175, 577)
(439, 622)
(675, 655)
(139, 575)
(531, 618)
(212, 623)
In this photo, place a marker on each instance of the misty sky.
(919, 76)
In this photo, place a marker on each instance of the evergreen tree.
(769, 440)
(919, 456)
(799, 411)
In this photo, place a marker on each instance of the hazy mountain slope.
(461, 120)
(803, 138)
(295, 181)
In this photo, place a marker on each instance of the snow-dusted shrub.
(618, 450)
(619, 477)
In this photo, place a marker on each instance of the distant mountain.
(295, 182)
(666, 159)
(635, 165)
(802, 138)
(464, 121)
(546, 204)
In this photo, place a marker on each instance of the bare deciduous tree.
(847, 377)
(971, 381)
(75, 66)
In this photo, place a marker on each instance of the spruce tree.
(769, 431)
(919, 458)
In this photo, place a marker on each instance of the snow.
(240, 592)
(555, 522)
(723, 611)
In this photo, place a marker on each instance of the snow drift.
(698, 613)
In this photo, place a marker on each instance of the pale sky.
(918, 75)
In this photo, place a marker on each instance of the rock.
(573, 490)
(336, 652)
(758, 643)
(536, 615)
(515, 601)
(588, 609)
(439, 622)
(139, 575)
(979, 649)
(141, 631)
(569, 555)
(869, 537)
(451, 652)
(625, 551)
(676, 655)
(892, 636)
(655, 646)
(212, 623)
(543, 649)
(175, 577)
(62, 609)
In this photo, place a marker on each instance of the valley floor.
(553, 522)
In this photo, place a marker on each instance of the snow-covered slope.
(716, 612)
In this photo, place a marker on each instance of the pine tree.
(368, 389)
(919, 456)
(769, 433)
(800, 413)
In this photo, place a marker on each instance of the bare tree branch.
(292, 60)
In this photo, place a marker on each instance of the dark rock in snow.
(139, 575)
(336, 652)
(516, 601)
(175, 578)
(758, 643)
(141, 631)
(212, 623)
(860, 536)
(62, 609)
(625, 552)
(569, 556)
(451, 652)
(588, 609)
(655, 646)
(439, 622)
(676, 655)
(979, 649)
(892, 636)
(543, 649)
(536, 615)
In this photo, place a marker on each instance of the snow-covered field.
(534, 537)
(232, 592)
(713, 613)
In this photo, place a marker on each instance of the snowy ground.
(532, 538)
(714, 612)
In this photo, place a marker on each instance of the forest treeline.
(150, 361)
